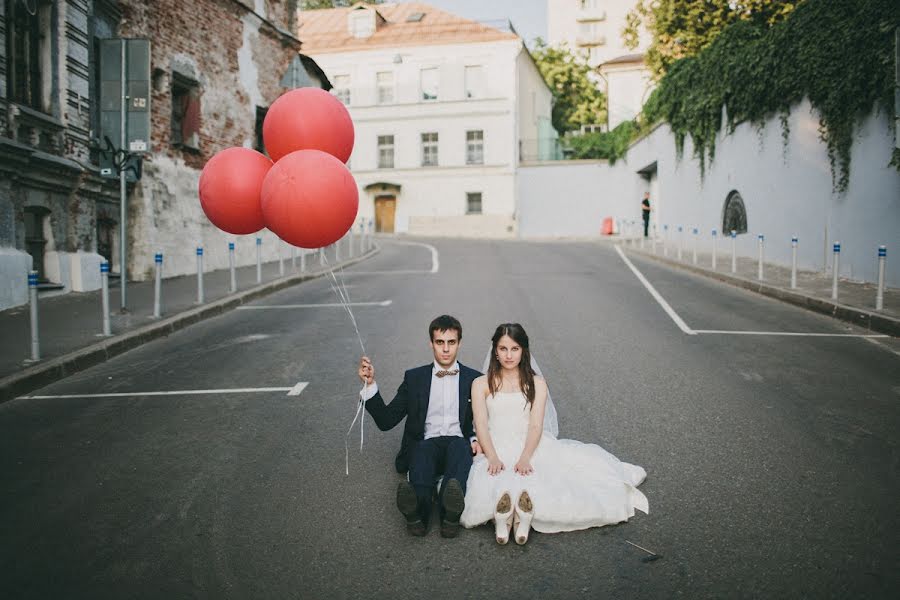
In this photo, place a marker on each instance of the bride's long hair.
(526, 373)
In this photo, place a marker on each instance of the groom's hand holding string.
(366, 371)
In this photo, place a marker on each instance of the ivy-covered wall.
(837, 54)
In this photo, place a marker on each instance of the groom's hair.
(444, 323)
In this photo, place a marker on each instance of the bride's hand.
(495, 465)
(523, 467)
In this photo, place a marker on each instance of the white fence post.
(879, 295)
(794, 242)
(104, 297)
(33, 312)
(199, 275)
(836, 267)
(157, 285)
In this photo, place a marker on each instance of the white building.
(593, 29)
(442, 108)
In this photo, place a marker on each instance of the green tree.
(576, 99)
(682, 28)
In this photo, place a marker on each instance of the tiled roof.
(327, 31)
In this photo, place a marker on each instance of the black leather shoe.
(408, 505)
(454, 504)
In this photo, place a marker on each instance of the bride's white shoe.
(524, 513)
(503, 518)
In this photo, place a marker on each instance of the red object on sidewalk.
(607, 228)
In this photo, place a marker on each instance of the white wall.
(627, 89)
(432, 200)
(563, 26)
(787, 190)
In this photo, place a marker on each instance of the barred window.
(475, 147)
(473, 203)
(429, 149)
(342, 88)
(385, 152)
(385, 83)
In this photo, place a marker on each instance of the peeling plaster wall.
(238, 60)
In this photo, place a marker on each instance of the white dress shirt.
(442, 418)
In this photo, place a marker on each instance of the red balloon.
(308, 119)
(309, 199)
(230, 184)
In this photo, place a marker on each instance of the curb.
(869, 320)
(40, 375)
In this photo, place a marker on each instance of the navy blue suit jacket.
(411, 402)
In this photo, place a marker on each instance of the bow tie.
(445, 373)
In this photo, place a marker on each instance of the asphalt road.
(773, 460)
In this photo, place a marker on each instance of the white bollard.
(733, 251)
(715, 248)
(362, 237)
(321, 256)
(642, 242)
(879, 295)
(371, 233)
(794, 263)
(104, 296)
(199, 275)
(836, 267)
(258, 260)
(280, 251)
(33, 311)
(157, 285)
(293, 258)
(303, 262)
(759, 271)
(695, 246)
(231, 267)
(680, 240)
(337, 251)
(666, 241)
(350, 245)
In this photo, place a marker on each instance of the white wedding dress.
(574, 485)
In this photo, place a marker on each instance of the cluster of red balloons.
(305, 194)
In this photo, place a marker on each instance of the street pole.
(104, 297)
(835, 269)
(33, 313)
(123, 116)
(157, 286)
(879, 295)
(794, 263)
(759, 271)
(714, 249)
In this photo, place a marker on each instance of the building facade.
(593, 29)
(440, 105)
(211, 81)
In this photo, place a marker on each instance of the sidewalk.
(71, 324)
(855, 303)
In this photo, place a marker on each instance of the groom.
(438, 437)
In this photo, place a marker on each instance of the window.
(342, 88)
(185, 112)
(27, 51)
(429, 84)
(362, 24)
(734, 215)
(260, 144)
(475, 147)
(429, 149)
(589, 4)
(474, 81)
(385, 83)
(385, 152)
(595, 55)
(473, 203)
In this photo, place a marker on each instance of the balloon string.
(340, 289)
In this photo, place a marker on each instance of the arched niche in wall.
(734, 214)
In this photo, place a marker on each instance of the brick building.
(216, 65)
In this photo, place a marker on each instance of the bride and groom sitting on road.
(493, 440)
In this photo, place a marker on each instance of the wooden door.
(385, 206)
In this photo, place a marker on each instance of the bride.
(527, 477)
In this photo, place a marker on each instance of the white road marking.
(435, 262)
(681, 324)
(291, 391)
(398, 272)
(295, 391)
(325, 305)
(662, 302)
(794, 334)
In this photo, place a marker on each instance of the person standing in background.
(645, 212)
